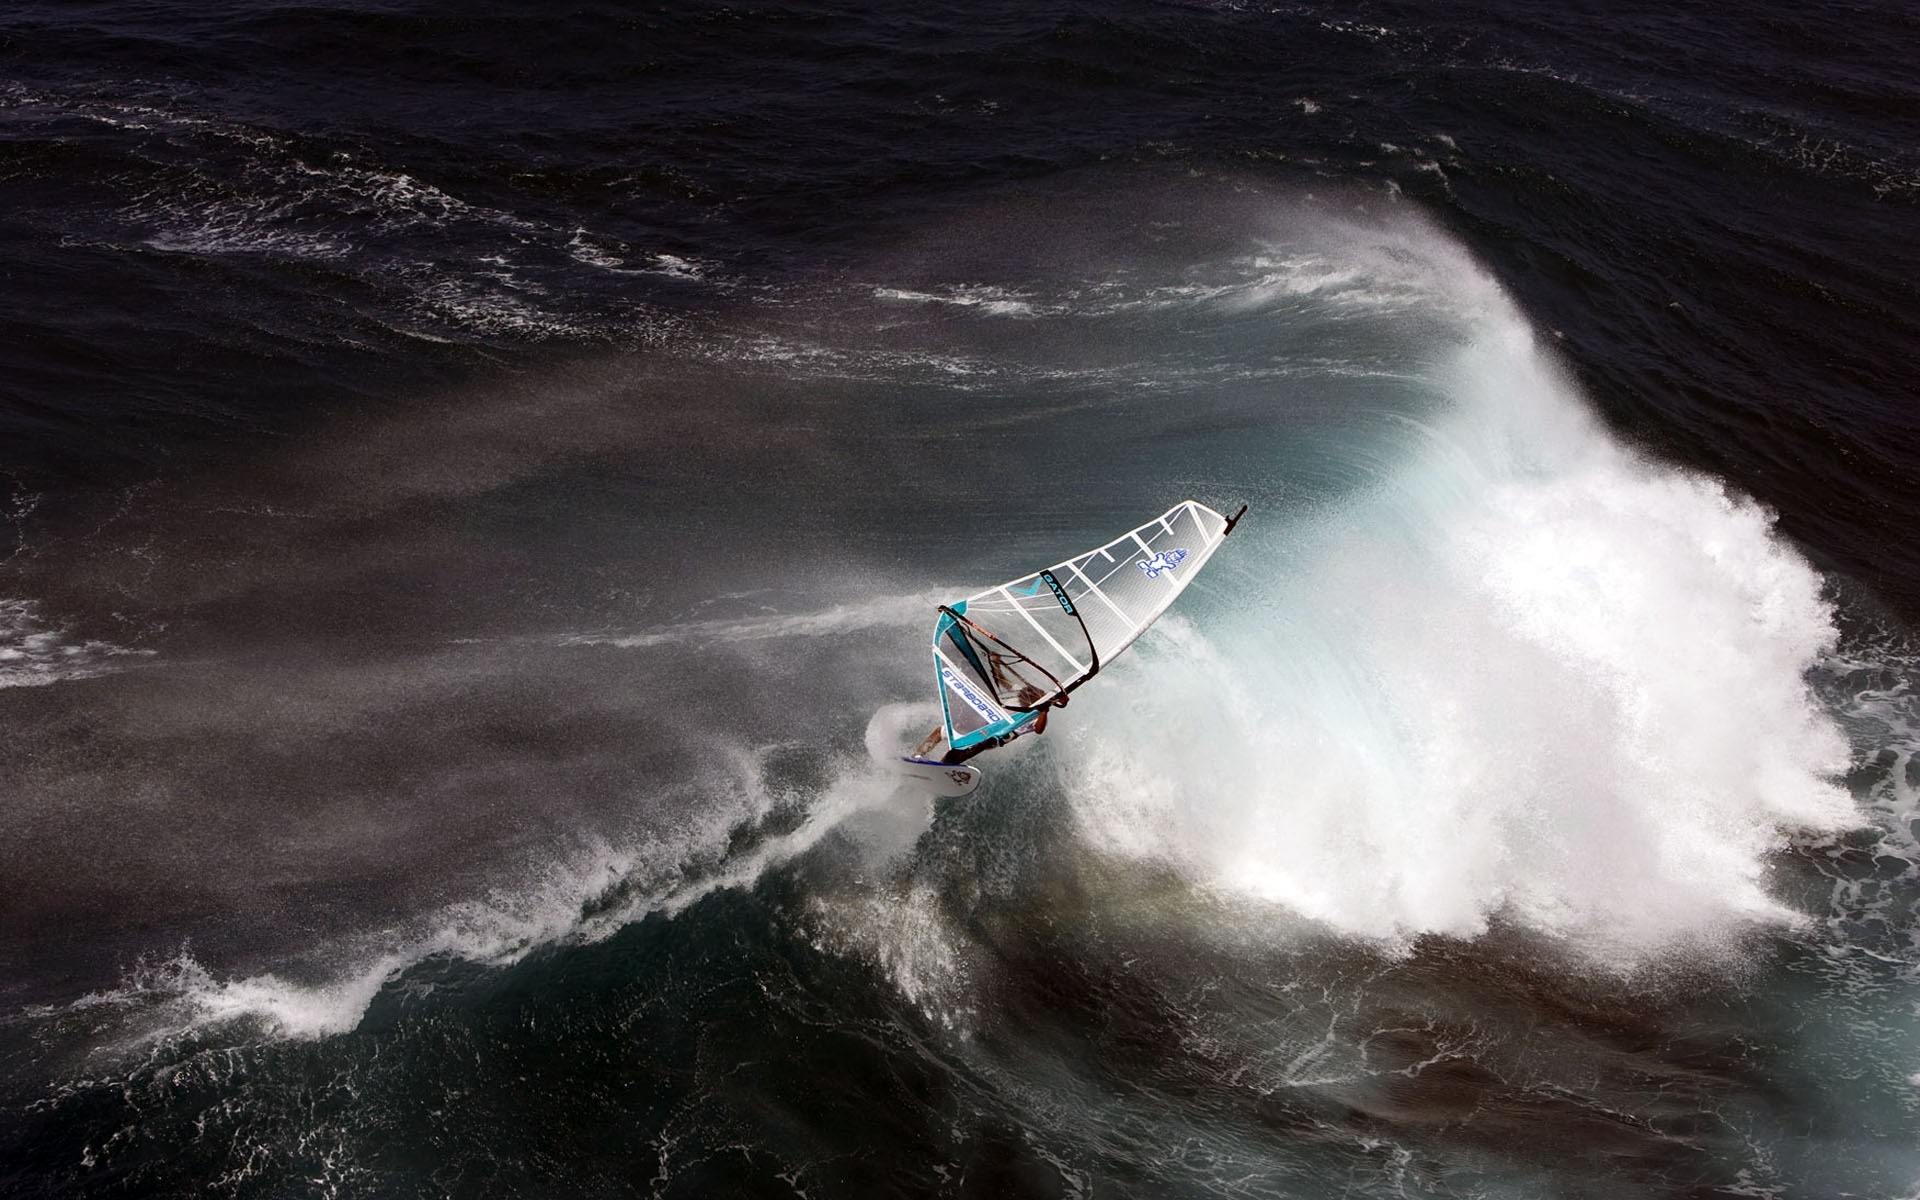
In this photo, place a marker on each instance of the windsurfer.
(1028, 695)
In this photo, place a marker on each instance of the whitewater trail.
(579, 898)
(580, 902)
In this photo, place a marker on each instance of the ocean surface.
(474, 480)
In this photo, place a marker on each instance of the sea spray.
(1526, 672)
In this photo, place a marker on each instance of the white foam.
(998, 301)
(34, 653)
(1529, 674)
(277, 200)
(488, 302)
(596, 251)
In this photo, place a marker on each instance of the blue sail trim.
(994, 729)
(998, 729)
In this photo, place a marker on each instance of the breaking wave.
(1523, 674)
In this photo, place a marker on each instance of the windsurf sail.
(1006, 654)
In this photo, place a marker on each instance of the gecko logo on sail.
(1166, 560)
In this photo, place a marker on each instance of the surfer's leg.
(926, 746)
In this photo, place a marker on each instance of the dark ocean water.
(470, 477)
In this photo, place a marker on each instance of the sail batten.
(996, 674)
(1062, 651)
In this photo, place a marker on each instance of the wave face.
(473, 489)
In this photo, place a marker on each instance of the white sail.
(1002, 655)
